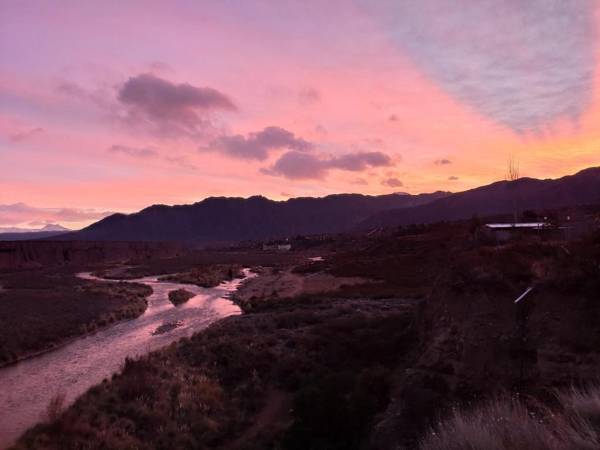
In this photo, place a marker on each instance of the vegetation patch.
(180, 296)
(41, 309)
(313, 375)
(206, 276)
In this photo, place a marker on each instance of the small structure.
(505, 231)
(277, 246)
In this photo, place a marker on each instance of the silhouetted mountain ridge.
(223, 219)
(582, 188)
(227, 219)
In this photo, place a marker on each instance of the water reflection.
(27, 387)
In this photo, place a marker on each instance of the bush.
(55, 407)
(179, 296)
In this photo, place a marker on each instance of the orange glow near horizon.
(360, 106)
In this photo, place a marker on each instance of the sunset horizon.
(299, 224)
(255, 99)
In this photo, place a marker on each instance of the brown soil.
(280, 284)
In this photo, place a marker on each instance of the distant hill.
(48, 227)
(583, 188)
(220, 219)
(25, 234)
(29, 236)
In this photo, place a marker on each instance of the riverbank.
(246, 379)
(42, 310)
(29, 387)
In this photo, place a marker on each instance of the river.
(28, 386)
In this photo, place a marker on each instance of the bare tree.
(512, 174)
(512, 170)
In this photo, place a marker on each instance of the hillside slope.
(234, 219)
(583, 188)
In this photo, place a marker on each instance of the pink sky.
(115, 106)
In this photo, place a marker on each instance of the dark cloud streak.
(304, 166)
(258, 145)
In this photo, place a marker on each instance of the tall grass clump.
(505, 423)
(500, 424)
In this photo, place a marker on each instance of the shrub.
(55, 407)
(179, 296)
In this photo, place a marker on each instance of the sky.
(112, 106)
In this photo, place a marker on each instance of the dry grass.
(506, 424)
(498, 425)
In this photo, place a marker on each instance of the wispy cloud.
(392, 182)
(442, 162)
(24, 135)
(138, 152)
(20, 213)
(309, 95)
(524, 64)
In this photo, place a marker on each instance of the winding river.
(28, 386)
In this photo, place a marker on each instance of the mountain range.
(221, 219)
(582, 188)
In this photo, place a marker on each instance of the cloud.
(442, 162)
(309, 95)
(18, 213)
(100, 97)
(524, 64)
(359, 161)
(23, 135)
(297, 165)
(258, 145)
(143, 152)
(321, 129)
(393, 118)
(392, 182)
(182, 162)
(360, 181)
(452, 178)
(169, 109)
(160, 67)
